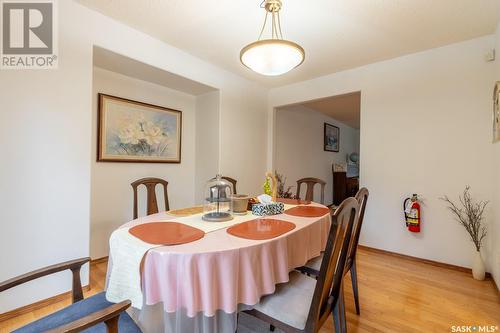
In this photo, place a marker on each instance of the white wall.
(494, 228)
(299, 147)
(47, 134)
(111, 193)
(45, 168)
(207, 141)
(243, 130)
(243, 116)
(426, 129)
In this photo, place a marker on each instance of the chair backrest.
(232, 181)
(152, 204)
(362, 198)
(331, 272)
(310, 182)
(108, 315)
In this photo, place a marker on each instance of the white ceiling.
(336, 34)
(344, 108)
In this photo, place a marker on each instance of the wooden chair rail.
(109, 316)
(73, 265)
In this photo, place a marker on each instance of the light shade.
(272, 56)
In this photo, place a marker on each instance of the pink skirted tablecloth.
(220, 272)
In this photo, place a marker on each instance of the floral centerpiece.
(283, 190)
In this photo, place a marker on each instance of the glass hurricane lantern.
(218, 206)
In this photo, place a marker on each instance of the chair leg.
(343, 319)
(339, 317)
(112, 324)
(336, 317)
(354, 280)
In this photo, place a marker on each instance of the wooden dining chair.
(152, 204)
(93, 314)
(311, 182)
(303, 304)
(312, 267)
(232, 181)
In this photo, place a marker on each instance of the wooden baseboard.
(99, 260)
(38, 305)
(426, 261)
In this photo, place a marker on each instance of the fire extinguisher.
(411, 208)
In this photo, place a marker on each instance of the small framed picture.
(332, 138)
(132, 131)
(496, 112)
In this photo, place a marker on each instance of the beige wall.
(45, 170)
(299, 147)
(243, 131)
(111, 193)
(494, 228)
(207, 141)
(426, 129)
(444, 95)
(47, 121)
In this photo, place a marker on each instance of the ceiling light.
(273, 56)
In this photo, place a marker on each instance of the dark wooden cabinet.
(343, 187)
(352, 186)
(339, 187)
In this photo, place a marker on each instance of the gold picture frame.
(132, 131)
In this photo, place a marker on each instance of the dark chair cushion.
(77, 311)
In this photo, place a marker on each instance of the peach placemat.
(307, 211)
(293, 201)
(186, 211)
(260, 229)
(166, 233)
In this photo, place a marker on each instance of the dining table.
(201, 285)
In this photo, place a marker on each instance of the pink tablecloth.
(220, 271)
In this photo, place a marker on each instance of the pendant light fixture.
(273, 56)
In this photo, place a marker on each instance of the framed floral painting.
(331, 138)
(131, 131)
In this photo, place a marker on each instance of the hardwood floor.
(396, 295)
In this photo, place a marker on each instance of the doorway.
(320, 139)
